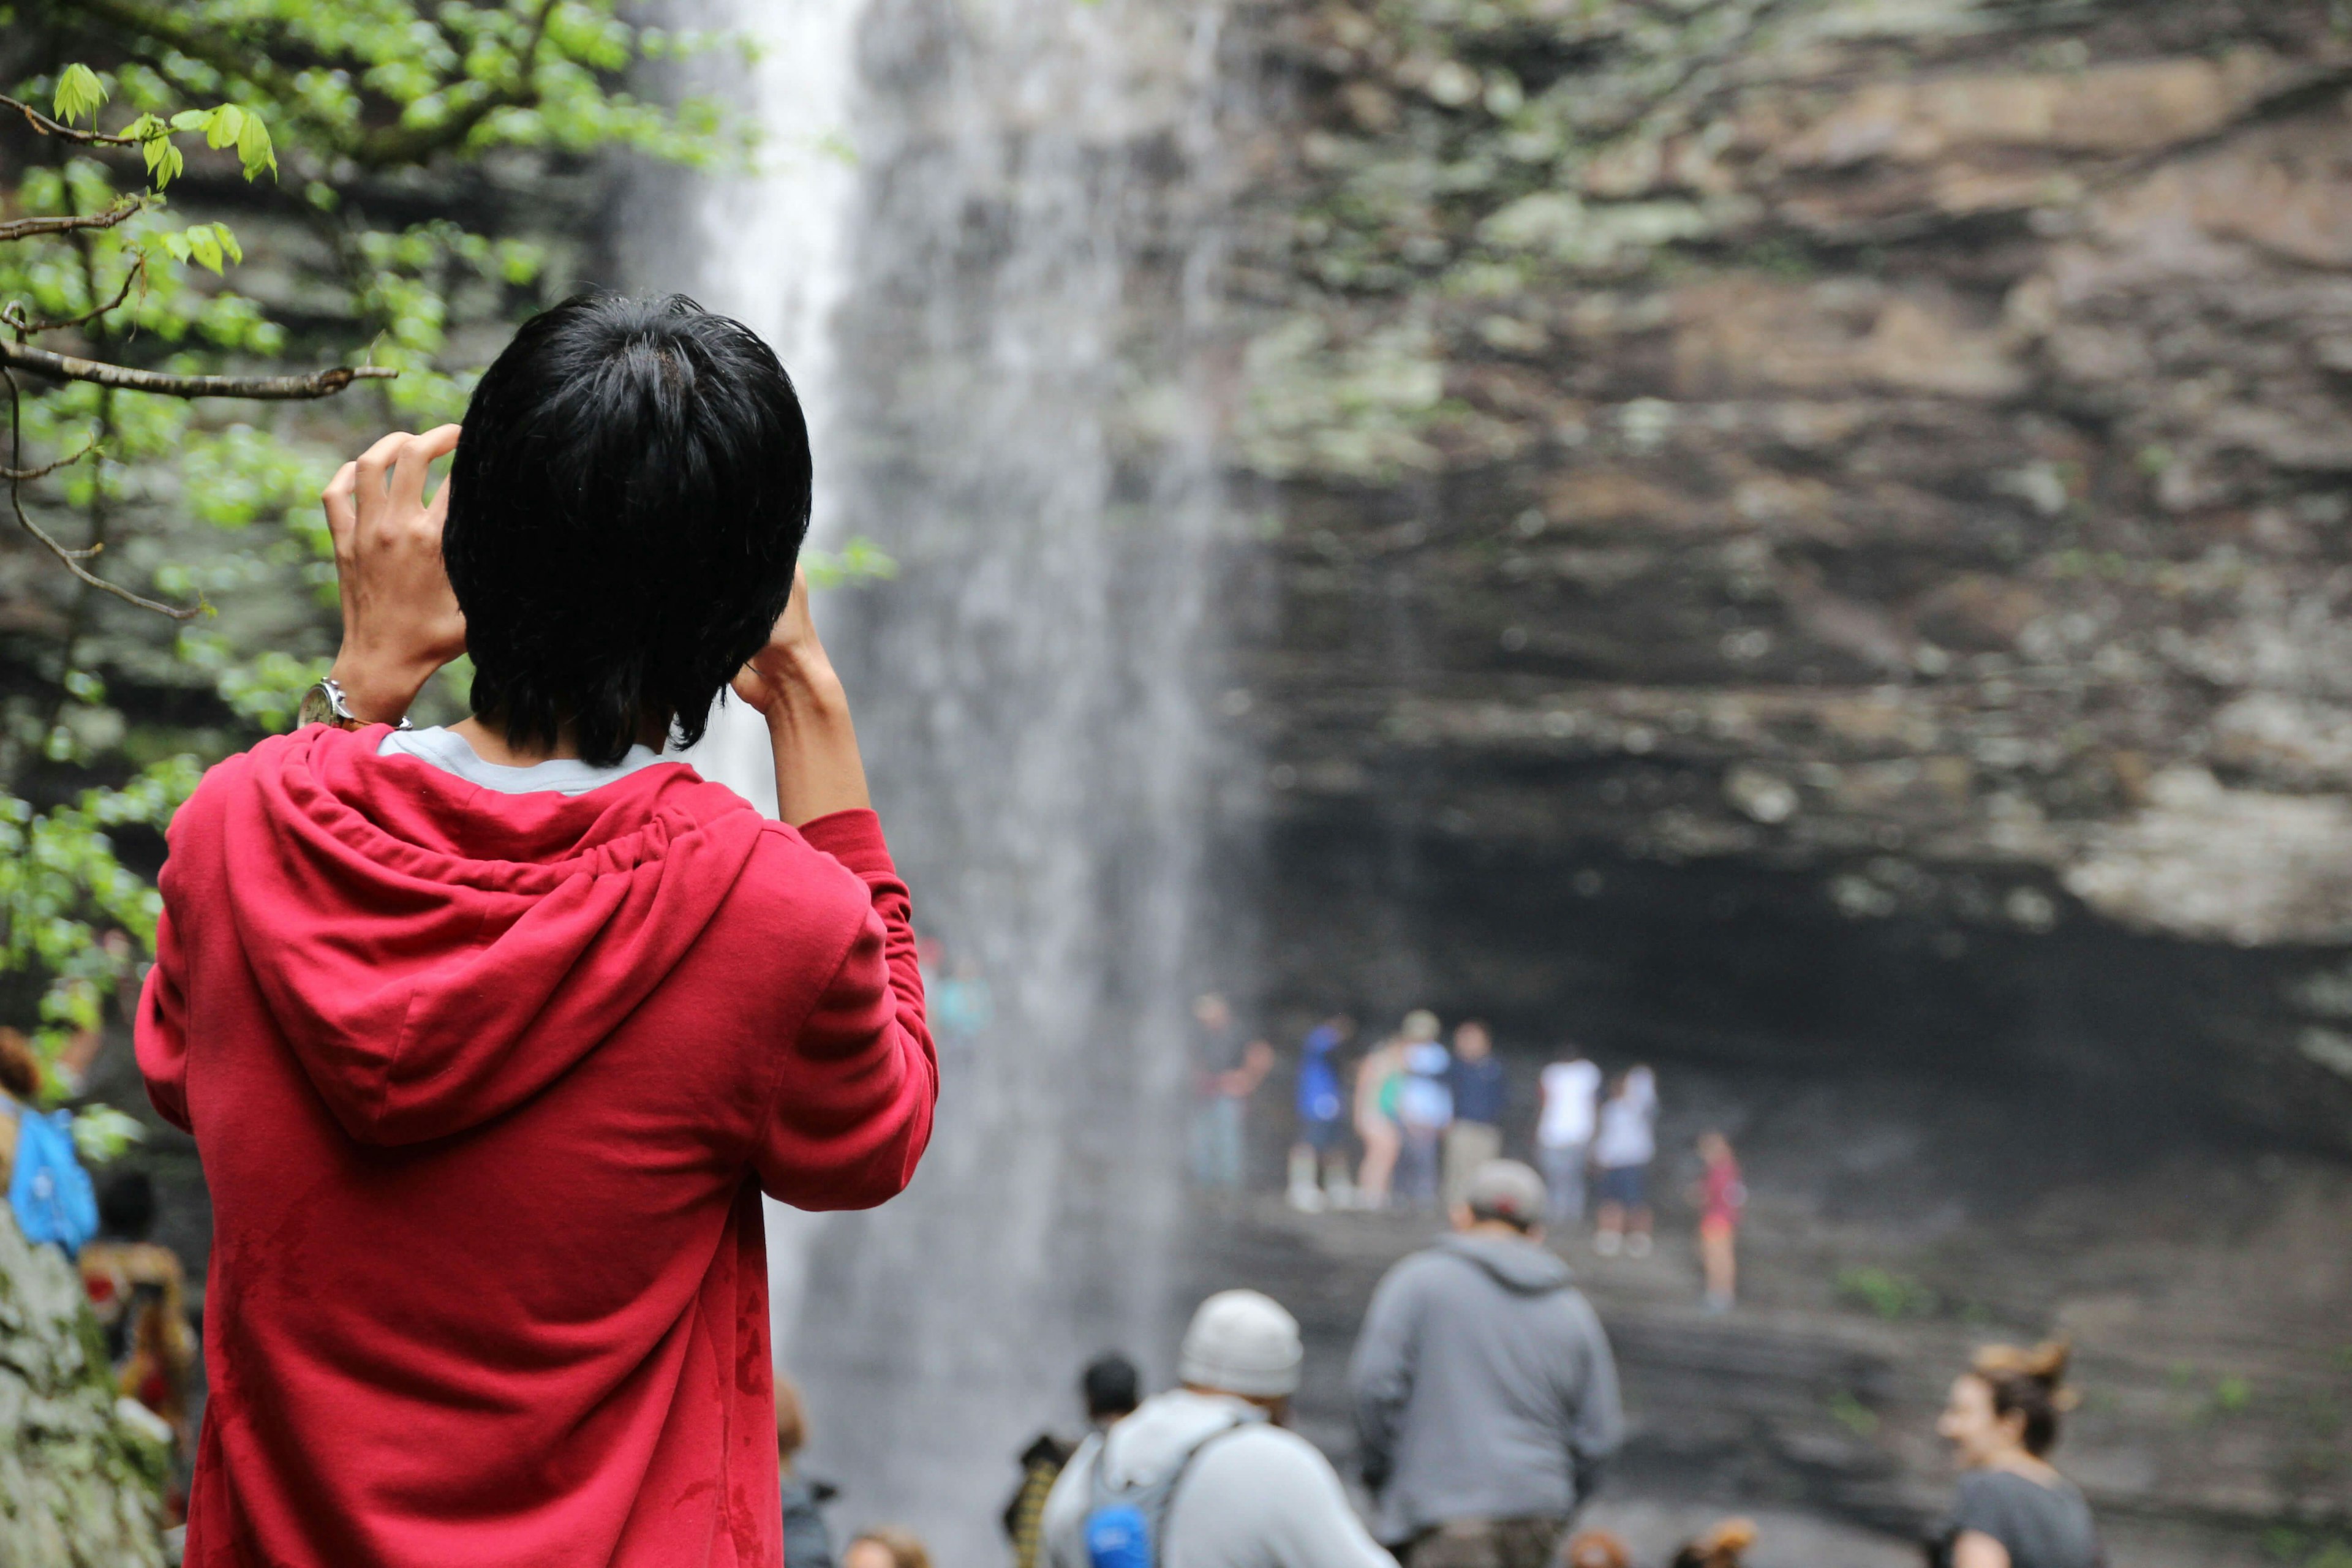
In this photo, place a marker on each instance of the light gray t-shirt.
(447, 750)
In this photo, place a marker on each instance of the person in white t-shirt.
(1624, 1141)
(1570, 1088)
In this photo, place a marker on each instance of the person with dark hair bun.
(491, 1036)
(2013, 1510)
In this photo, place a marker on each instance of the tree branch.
(12, 315)
(274, 388)
(17, 474)
(49, 127)
(70, 558)
(67, 223)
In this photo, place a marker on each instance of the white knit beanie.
(1241, 1342)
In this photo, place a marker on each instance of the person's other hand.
(792, 684)
(794, 667)
(401, 621)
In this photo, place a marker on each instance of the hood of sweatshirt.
(1146, 1447)
(1519, 1266)
(434, 953)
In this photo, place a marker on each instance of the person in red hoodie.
(491, 1037)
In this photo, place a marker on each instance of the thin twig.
(12, 315)
(273, 388)
(71, 558)
(67, 223)
(19, 475)
(49, 127)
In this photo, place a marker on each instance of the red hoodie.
(486, 1088)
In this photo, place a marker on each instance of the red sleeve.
(160, 1036)
(850, 1112)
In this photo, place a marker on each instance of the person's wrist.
(808, 693)
(380, 688)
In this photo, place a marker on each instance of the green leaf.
(177, 243)
(229, 242)
(190, 118)
(253, 146)
(224, 126)
(205, 244)
(80, 93)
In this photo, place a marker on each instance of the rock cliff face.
(78, 1486)
(1807, 541)
(1850, 494)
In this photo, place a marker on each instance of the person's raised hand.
(401, 621)
(790, 682)
(793, 669)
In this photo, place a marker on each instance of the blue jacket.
(1320, 1099)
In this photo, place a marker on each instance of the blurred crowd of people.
(1486, 1415)
(1402, 1125)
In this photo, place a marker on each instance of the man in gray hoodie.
(1486, 1394)
(1215, 1479)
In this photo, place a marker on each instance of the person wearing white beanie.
(1208, 1469)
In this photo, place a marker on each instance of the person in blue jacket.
(1322, 1120)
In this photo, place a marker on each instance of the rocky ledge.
(1825, 465)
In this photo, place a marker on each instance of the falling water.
(998, 317)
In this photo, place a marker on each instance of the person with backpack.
(1111, 1388)
(48, 1191)
(1205, 1475)
(1486, 1394)
(1424, 1109)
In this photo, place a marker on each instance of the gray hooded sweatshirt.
(1256, 1497)
(1484, 1388)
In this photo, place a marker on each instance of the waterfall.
(999, 316)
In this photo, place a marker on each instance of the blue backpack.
(50, 1192)
(1126, 1525)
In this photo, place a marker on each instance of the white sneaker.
(1606, 1242)
(1307, 1200)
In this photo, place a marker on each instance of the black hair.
(629, 500)
(1112, 1386)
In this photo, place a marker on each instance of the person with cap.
(1486, 1394)
(1217, 1480)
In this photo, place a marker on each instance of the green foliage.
(2297, 1548)
(1890, 1295)
(64, 895)
(80, 93)
(1853, 1415)
(860, 559)
(340, 104)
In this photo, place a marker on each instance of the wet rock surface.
(77, 1484)
(1807, 543)
(1882, 467)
